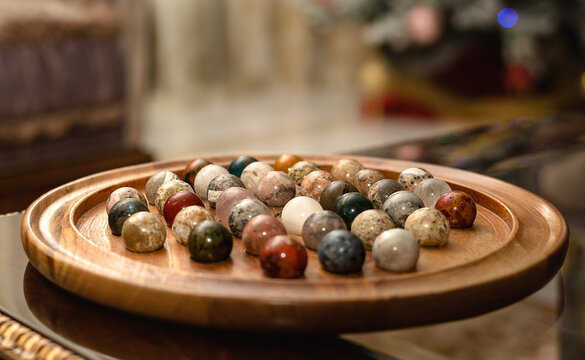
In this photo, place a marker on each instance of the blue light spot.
(507, 18)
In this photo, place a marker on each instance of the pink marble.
(228, 198)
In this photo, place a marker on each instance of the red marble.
(458, 207)
(283, 257)
(259, 230)
(177, 202)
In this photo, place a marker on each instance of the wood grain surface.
(516, 245)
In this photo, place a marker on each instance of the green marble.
(210, 241)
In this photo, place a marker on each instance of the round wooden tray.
(515, 247)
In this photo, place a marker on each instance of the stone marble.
(210, 241)
(395, 250)
(167, 189)
(345, 169)
(341, 252)
(155, 181)
(242, 212)
(401, 204)
(315, 182)
(365, 178)
(253, 173)
(369, 224)
(350, 205)
(301, 169)
(283, 257)
(204, 177)
(276, 188)
(227, 200)
(296, 211)
(125, 192)
(187, 219)
(411, 177)
(121, 211)
(193, 168)
(429, 190)
(335, 190)
(144, 232)
(318, 225)
(177, 202)
(259, 230)
(286, 161)
(219, 184)
(458, 207)
(428, 226)
(381, 190)
(239, 164)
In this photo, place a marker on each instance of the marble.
(242, 212)
(411, 177)
(395, 250)
(227, 200)
(276, 188)
(315, 182)
(296, 211)
(335, 190)
(381, 190)
(155, 181)
(429, 190)
(458, 207)
(318, 225)
(125, 192)
(187, 219)
(285, 161)
(365, 178)
(369, 224)
(121, 211)
(345, 169)
(177, 202)
(219, 184)
(341, 252)
(167, 189)
(209, 242)
(428, 226)
(193, 168)
(350, 205)
(204, 177)
(401, 204)
(239, 164)
(144, 232)
(283, 257)
(301, 169)
(253, 173)
(259, 230)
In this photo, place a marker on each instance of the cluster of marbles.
(122, 211)
(252, 174)
(239, 164)
(155, 181)
(204, 177)
(166, 190)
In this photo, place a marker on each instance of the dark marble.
(333, 191)
(239, 164)
(121, 211)
(210, 241)
(283, 257)
(341, 252)
(350, 205)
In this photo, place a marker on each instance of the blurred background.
(492, 86)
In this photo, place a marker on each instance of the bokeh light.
(507, 18)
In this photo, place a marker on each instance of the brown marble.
(345, 169)
(259, 230)
(365, 178)
(333, 191)
(276, 188)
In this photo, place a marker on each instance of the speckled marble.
(121, 211)
(253, 173)
(429, 190)
(365, 178)
(401, 204)
(428, 226)
(369, 224)
(155, 181)
(276, 188)
(319, 224)
(296, 211)
(411, 177)
(345, 169)
(187, 219)
(341, 252)
(458, 207)
(259, 230)
(335, 190)
(301, 169)
(227, 200)
(219, 184)
(381, 190)
(210, 241)
(144, 232)
(204, 177)
(242, 212)
(396, 250)
(125, 192)
(167, 189)
(315, 182)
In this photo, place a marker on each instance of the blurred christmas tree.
(435, 54)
